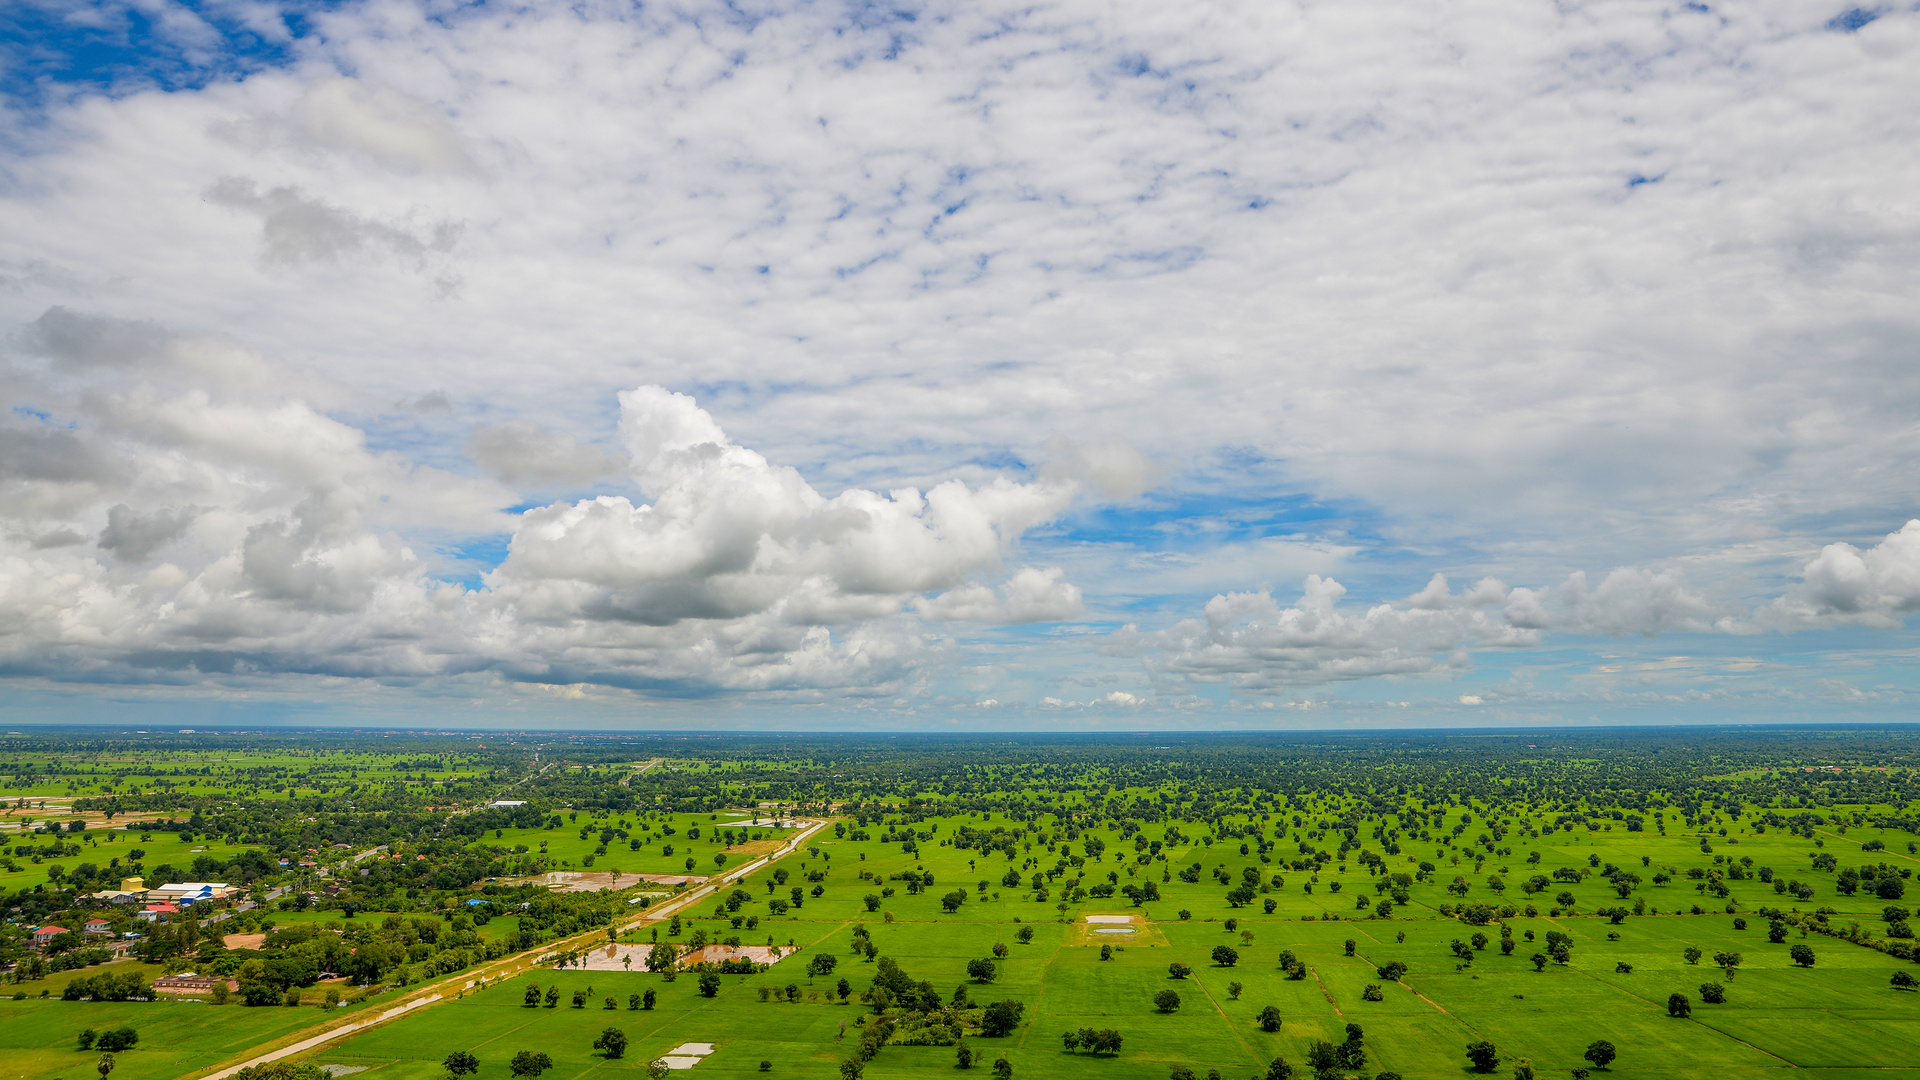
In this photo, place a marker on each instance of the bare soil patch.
(1145, 933)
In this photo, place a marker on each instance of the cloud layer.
(1082, 312)
(241, 532)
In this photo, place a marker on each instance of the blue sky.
(979, 366)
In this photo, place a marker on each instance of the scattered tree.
(530, 1063)
(461, 1063)
(612, 1042)
(1484, 1055)
(1001, 1018)
(1601, 1053)
(1679, 1005)
(1166, 1001)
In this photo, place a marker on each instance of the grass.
(569, 851)
(177, 1038)
(1840, 1016)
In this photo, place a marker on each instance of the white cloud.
(519, 452)
(1032, 594)
(1249, 641)
(296, 228)
(383, 124)
(729, 535)
(285, 547)
(1845, 585)
(1367, 293)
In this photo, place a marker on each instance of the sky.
(1067, 366)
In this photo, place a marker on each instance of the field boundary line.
(1041, 995)
(1403, 982)
(1228, 1020)
(1789, 1063)
(1655, 1004)
(1882, 851)
(1324, 992)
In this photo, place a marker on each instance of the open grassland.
(177, 1038)
(1432, 892)
(242, 771)
(1839, 1016)
(661, 843)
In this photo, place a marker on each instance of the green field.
(569, 850)
(1390, 874)
(177, 1038)
(1839, 1013)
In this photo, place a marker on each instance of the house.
(99, 926)
(131, 891)
(191, 892)
(507, 804)
(44, 934)
(153, 912)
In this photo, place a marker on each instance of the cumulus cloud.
(730, 535)
(133, 536)
(242, 533)
(1251, 642)
(1845, 585)
(1032, 594)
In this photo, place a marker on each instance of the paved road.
(524, 961)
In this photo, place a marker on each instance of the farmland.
(1437, 893)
